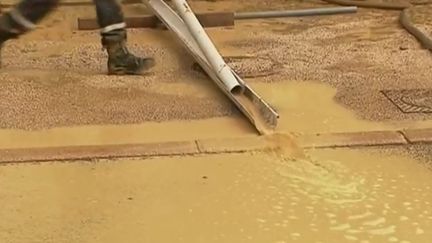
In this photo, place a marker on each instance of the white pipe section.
(223, 71)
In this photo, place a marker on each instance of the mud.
(335, 195)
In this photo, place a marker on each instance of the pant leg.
(109, 14)
(23, 17)
(34, 10)
(111, 20)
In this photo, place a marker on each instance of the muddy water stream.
(333, 196)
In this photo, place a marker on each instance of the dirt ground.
(322, 74)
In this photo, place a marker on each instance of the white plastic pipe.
(214, 58)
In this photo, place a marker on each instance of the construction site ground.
(331, 78)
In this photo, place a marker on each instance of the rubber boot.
(120, 60)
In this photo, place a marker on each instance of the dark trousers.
(108, 12)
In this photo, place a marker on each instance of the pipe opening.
(236, 90)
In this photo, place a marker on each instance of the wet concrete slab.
(337, 195)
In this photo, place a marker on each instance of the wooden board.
(216, 19)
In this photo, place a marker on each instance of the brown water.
(309, 107)
(335, 196)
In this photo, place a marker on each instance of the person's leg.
(23, 17)
(114, 37)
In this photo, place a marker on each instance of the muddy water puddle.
(333, 196)
(309, 107)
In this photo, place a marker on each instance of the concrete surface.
(365, 195)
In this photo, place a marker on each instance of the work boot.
(120, 60)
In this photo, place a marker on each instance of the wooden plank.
(208, 20)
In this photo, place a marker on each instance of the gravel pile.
(55, 77)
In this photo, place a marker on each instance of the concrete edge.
(352, 139)
(45, 154)
(418, 135)
(213, 146)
